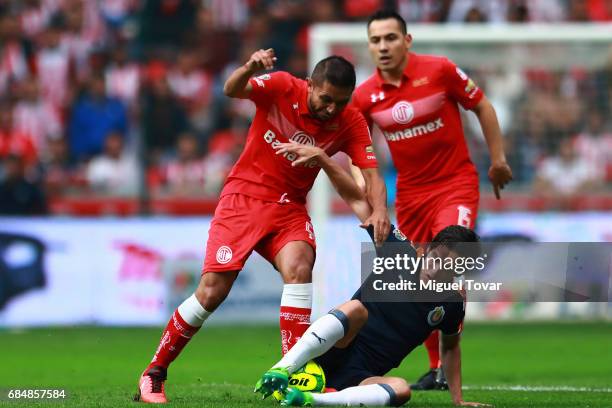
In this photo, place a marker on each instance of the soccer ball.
(309, 378)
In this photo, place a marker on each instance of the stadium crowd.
(124, 98)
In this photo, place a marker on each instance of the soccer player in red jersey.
(414, 100)
(262, 205)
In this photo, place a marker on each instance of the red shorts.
(242, 224)
(422, 216)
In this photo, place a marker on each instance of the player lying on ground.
(360, 341)
(262, 205)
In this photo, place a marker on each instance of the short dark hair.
(387, 14)
(460, 239)
(336, 70)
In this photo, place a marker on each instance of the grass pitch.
(508, 365)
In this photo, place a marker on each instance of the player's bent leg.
(357, 316)
(294, 261)
(319, 338)
(185, 322)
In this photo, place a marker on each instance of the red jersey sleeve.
(460, 86)
(359, 143)
(357, 104)
(268, 86)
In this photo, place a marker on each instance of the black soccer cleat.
(434, 379)
(441, 383)
(426, 382)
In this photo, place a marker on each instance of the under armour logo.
(284, 199)
(321, 340)
(295, 106)
(379, 97)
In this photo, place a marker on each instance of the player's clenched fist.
(260, 60)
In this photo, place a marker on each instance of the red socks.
(295, 310)
(433, 349)
(294, 321)
(176, 335)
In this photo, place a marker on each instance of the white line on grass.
(532, 388)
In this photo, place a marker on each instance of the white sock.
(320, 337)
(192, 312)
(370, 395)
(297, 295)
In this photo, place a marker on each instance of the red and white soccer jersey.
(265, 208)
(437, 183)
(283, 115)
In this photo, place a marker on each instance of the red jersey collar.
(409, 70)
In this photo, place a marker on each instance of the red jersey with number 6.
(421, 122)
(283, 115)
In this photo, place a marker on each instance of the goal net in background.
(547, 83)
(544, 81)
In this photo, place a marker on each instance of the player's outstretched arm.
(340, 179)
(500, 173)
(237, 85)
(376, 194)
(451, 362)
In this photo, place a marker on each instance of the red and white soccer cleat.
(151, 386)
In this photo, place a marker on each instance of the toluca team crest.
(402, 112)
(302, 138)
(435, 316)
(224, 254)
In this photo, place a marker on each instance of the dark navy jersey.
(395, 328)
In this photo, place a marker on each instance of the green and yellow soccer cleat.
(275, 379)
(297, 398)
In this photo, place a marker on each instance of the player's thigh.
(357, 316)
(401, 389)
(291, 245)
(234, 232)
(460, 209)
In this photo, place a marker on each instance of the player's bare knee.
(355, 311)
(213, 289)
(401, 390)
(209, 297)
(356, 316)
(298, 271)
(361, 313)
